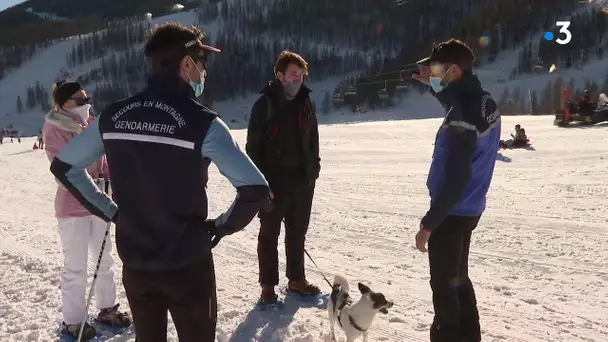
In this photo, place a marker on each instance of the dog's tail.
(341, 283)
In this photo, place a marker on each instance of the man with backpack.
(283, 142)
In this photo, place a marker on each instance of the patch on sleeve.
(489, 109)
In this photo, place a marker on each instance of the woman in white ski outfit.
(81, 232)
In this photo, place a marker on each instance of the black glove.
(214, 234)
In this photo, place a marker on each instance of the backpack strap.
(311, 105)
(270, 111)
(271, 126)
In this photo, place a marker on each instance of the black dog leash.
(318, 268)
(309, 257)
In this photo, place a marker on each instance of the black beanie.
(64, 90)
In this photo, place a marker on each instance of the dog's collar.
(354, 324)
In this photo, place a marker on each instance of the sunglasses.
(81, 101)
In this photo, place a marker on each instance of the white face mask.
(82, 111)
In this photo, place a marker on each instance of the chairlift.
(351, 91)
(338, 98)
(539, 67)
(383, 93)
(401, 87)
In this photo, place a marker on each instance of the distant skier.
(458, 181)
(283, 141)
(78, 227)
(159, 145)
(40, 140)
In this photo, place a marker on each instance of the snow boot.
(303, 288)
(73, 329)
(114, 318)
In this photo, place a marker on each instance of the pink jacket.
(59, 128)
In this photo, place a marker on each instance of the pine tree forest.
(378, 41)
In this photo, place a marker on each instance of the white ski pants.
(81, 237)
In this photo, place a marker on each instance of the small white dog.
(354, 319)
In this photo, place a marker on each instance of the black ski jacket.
(284, 134)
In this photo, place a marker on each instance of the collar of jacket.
(466, 84)
(65, 121)
(168, 83)
(274, 90)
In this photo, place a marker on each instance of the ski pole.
(90, 296)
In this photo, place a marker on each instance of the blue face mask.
(436, 84)
(198, 87)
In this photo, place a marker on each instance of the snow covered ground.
(538, 257)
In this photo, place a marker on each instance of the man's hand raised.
(423, 75)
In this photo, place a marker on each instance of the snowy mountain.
(538, 257)
(43, 15)
(60, 60)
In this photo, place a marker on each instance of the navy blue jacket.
(465, 152)
(159, 144)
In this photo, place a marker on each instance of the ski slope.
(538, 258)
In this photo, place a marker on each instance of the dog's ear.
(364, 289)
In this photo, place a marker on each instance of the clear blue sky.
(4, 4)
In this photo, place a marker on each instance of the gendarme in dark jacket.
(273, 124)
(466, 145)
(159, 145)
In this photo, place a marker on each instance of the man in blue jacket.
(458, 181)
(159, 144)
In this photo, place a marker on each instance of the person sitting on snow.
(517, 128)
(519, 139)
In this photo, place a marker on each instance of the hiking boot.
(73, 329)
(303, 288)
(268, 295)
(112, 317)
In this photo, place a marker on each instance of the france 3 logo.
(563, 30)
